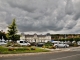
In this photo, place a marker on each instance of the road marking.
(66, 57)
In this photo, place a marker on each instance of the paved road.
(69, 55)
(72, 54)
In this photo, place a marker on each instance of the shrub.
(16, 45)
(53, 47)
(43, 46)
(50, 47)
(33, 48)
(11, 49)
(75, 44)
(48, 44)
(33, 44)
(27, 48)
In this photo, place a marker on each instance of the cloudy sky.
(41, 16)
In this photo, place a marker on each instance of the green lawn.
(13, 50)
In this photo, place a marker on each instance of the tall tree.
(0, 35)
(12, 31)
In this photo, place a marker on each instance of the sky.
(41, 16)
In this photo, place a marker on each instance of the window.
(4, 41)
(21, 41)
(25, 41)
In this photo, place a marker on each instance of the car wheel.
(56, 46)
(65, 46)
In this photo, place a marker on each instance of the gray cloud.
(69, 9)
(41, 15)
(76, 16)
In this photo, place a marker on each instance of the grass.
(13, 50)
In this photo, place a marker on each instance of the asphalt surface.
(68, 55)
(63, 54)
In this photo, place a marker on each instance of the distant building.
(37, 38)
(64, 36)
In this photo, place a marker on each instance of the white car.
(78, 43)
(23, 43)
(3, 42)
(60, 44)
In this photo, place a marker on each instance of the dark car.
(40, 44)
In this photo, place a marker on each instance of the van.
(23, 43)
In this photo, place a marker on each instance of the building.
(36, 38)
(64, 36)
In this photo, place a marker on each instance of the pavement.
(51, 51)
(68, 55)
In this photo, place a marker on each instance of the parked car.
(3, 42)
(78, 43)
(61, 44)
(40, 44)
(55, 42)
(23, 43)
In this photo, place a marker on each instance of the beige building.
(37, 38)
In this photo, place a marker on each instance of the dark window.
(21, 41)
(25, 41)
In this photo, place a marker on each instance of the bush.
(75, 44)
(16, 45)
(53, 47)
(43, 46)
(11, 49)
(33, 48)
(48, 44)
(27, 48)
(33, 44)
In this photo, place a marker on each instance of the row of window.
(38, 38)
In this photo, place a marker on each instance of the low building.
(37, 38)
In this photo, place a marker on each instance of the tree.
(0, 35)
(12, 31)
(4, 36)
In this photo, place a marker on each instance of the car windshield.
(60, 43)
(21, 41)
(25, 41)
(3, 41)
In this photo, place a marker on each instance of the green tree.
(4, 36)
(12, 31)
(0, 35)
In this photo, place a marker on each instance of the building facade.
(36, 38)
(64, 36)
